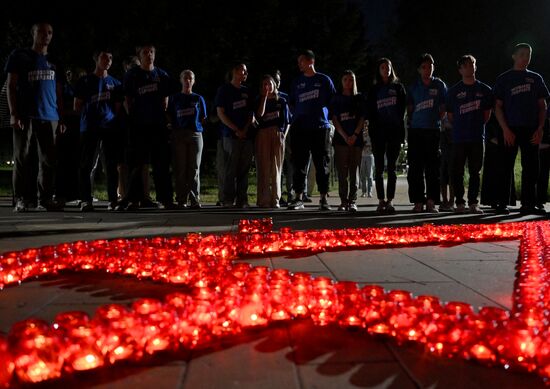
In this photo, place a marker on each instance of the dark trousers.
(34, 156)
(149, 144)
(390, 149)
(544, 170)
(89, 142)
(423, 156)
(529, 166)
(186, 161)
(314, 141)
(347, 160)
(460, 153)
(239, 154)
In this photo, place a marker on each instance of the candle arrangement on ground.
(228, 297)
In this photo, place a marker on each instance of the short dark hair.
(426, 57)
(38, 24)
(309, 54)
(520, 46)
(465, 58)
(97, 52)
(141, 47)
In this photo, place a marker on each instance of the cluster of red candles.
(228, 297)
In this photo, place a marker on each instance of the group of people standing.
(149, 120)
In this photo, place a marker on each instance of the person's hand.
(509, 137)
(537, 136)
(350, 140)
(16, 122)
(265, 90)
(61, 127)
(241, 134)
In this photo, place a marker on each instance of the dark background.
(207, 36)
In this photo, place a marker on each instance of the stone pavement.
(293, 354)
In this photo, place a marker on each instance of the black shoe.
(306, 198)
(168, 205)
(147, 203)
(296, 204)
(502, 210)
(531, 210)
(132, 206)
(50, 206)
(323, 205)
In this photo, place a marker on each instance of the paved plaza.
(291, 354)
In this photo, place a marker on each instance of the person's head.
(425, 66)
(349, 83)
(146, 54)
(268, 85)
(277, 78)
(522, 55)
(306, 60)
(187, 79)
(41, 33)
(103, 59)
(385, 71)
(467, 66)
(130, 62)
(239, 72)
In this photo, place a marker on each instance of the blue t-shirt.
(310, 98)
(236, 104)
(520, 90)
(275, 115)
(426, 101)
(187, 111)
(36, 85)
(148, 90)
(349, 110)
(468, 104)
(386, 106)
(99, 95)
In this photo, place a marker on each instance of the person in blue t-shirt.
(36, 107)
(469, 103)
(544, 164)
(348, 117)
(146, 89)
(386, 105)
(521, 112)
(425, 108)
(310, 96)
(186, 115)
(98, 98)
(288, 170)
(271, 110)
(234, 108)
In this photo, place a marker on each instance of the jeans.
(365, 173)
(423, 156)
(473, 153)
(187, 148)
(347, 159)
(390, 150)
(239, 158)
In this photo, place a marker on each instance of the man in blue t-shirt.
(234, 108)
(469, 104)
(146, 89)
(310, 97)
(35, 102)
(98, 98)
(521, 112)
(425, 108)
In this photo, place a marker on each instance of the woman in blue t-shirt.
(386, 104)
(186, 114)
(349, 119)
(273, 122)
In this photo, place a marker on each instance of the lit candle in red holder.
(79, 341)
(300, 291)
(152, 325)
(279, 287)
(114, 325)
(350, 304)
(37, 351)
(10, 269)
(322, 305)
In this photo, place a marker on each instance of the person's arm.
(60, 107)
(78, 104)
(225, 119)
(357, 132)
(509, 136)
(15, 119)
(537, 136)
(450, 117)
(487, 115)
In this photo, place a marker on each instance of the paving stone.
(377, 375)
(333, 345)
(252, 361)
(380, 265)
